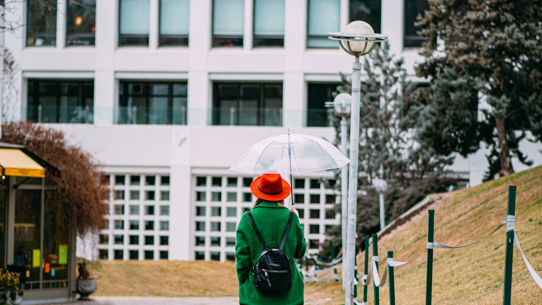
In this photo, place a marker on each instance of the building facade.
(166, 94)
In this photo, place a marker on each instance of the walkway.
(156, 301)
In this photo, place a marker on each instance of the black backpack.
(272, 272)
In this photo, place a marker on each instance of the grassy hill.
(473, 275)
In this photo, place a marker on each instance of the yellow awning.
(15, 162)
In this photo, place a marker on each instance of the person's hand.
(295, 211)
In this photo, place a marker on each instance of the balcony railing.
(61, 114)
(247, 116)
(151, 115)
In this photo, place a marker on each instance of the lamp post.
(357, 39)
(341, 104)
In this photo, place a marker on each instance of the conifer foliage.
(483, 61)
(389, 117)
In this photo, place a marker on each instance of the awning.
(15, 162)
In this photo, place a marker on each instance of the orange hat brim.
(286, 189)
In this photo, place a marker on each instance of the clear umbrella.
(292, 153)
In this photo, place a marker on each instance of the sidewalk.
(156, 300)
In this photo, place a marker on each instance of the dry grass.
(165, 278)
(472, 275)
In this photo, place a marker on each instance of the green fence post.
(375, 254)
(429, 281)
(306, 268)
(332, 259)
(356, 275)
(391, 280)
(366, 270)
(509, 245)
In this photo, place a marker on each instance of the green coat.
(271, 220)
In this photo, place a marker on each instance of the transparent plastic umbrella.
(291, 153)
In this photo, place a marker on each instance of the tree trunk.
(504, 149)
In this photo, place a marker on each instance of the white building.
(166, 94)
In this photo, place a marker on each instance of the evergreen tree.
(483, 61)
(388, 119)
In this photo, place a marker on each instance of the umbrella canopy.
(294, 153)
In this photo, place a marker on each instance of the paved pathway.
(157, 301)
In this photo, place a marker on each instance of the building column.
(10, 221)
(248, 26)
(393, 24)
(61, 15)
(154, 25)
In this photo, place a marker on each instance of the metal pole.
(392, 281)
(382, 211)
(366, 269)
(344, 194)
(375, 255)
(509, 245)
(429, 280)
(332, 259)
(356, 278)
(353, 181)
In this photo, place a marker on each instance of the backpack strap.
(260, 237)
(286, 231)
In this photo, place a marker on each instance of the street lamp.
(357, 39)
(342, 104)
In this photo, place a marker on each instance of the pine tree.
(483, 61)
(388, 119)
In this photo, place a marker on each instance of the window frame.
(308, 36)
(278, 39)
(135, 37)
(124, 96)
(216, 121)
(179, 40)
(215, 37)
(93, 35)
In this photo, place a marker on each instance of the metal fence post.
(375, 255)
(509, 245)
(366, 269)
(356, 278)
(332, 259)
(391, 280)
(429, 281)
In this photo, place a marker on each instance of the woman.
(271, 218)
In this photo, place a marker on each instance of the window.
(81, 23)
(216, 211)
(164, 225)
(134, 224)
(164, 210)
(134, 210)
(164, 240)
(369, 11)
(198, 255)
(228, 23)
(149, 254)
(164, 255)
(134, 240)
(60, 101)
(323, 18)
(200, 241)
(149, 210)
(152, 103)
(135, 180)
(41, 27)
(318, 95)
(201, 181)
(215, 256)
(149, 240)
(119, 209)
(149, 225)
(118, 254)
(174, 22)
(134, 23)
(200, 211)
(103, 239)
(164, 195)
(249, 104)
(413, 8)
(269, 23)
(134, 254)
(231, 211)
(149, 195)
(215, 241)
(150, 180)
(164, 180)
(119, 224)
(119, 239)
(103, 254)
(216, 181)
(134, 195)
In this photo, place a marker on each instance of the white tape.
(375, 259)
(430, 245)
(533, 273)
(510, 223)
(393, 263)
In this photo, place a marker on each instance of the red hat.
(270, 187)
